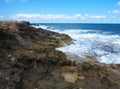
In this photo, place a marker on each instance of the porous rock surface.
(28, 60)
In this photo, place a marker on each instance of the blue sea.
(101, 41)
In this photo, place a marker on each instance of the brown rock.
(28, 60)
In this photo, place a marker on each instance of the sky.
(61, 11)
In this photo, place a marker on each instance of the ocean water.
(99, 40)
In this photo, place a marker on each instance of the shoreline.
(29, 60)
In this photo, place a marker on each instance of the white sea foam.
(40, 26)
(43, 26)
(104, 46)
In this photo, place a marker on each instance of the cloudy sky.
(61, 11)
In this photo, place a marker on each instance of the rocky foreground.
(28, 60)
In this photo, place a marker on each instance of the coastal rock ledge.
(29, 60)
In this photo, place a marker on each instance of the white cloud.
(78, 16)
(47, 16)
(37, 17)
(1, 16)
(118, 3)
(115, 11)
(97, 17)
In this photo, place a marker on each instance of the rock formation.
(28, 60)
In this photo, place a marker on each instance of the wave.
(40, 26)
(102, 45)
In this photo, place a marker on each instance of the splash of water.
(104, 46)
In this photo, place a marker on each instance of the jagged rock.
(27, 54)
(28, 60)
(11, 25)
(23, 31)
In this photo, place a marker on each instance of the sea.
(101, 41)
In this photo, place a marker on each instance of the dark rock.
(28, 60)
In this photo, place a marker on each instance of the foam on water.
(40, 26)
(102, 45)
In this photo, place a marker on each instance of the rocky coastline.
(29, 60)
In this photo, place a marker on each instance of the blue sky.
(61, 11)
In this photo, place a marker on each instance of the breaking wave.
(104, 46)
